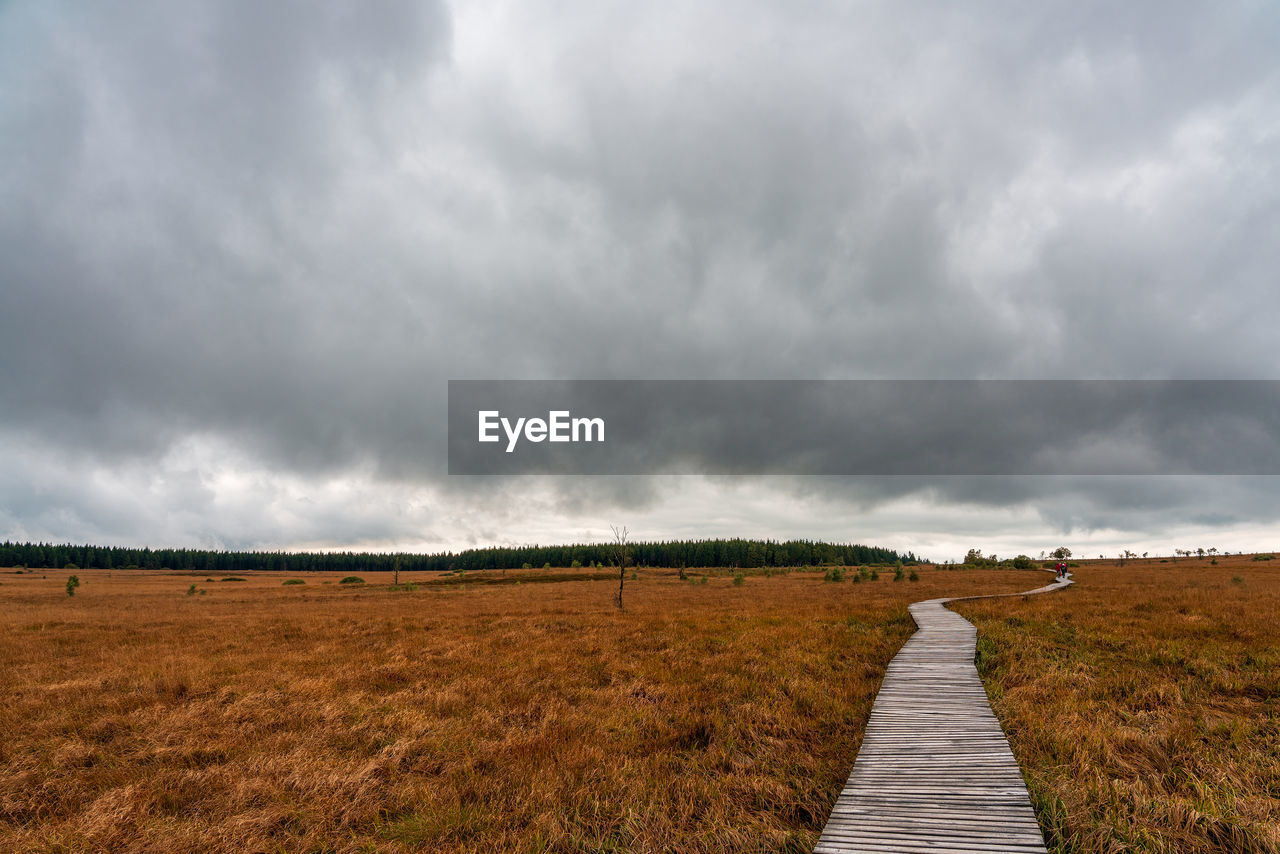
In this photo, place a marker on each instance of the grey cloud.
(288, 225)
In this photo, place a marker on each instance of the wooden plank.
(935, 772)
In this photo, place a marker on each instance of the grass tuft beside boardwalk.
(443, 716)
(1143, 705)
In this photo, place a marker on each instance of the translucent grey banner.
(864, 427)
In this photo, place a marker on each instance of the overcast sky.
(244, 245)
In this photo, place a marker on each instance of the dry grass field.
(1144, 704)
(478, 714)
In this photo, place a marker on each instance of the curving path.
(935, 772)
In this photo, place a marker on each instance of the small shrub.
(232, 578)
(702, 580)
(857, 577)
(576, 564)
(739, 579)
(1235, 579)
(72, 583)
(914, 576)
(1264, 557)
(899, 574)
(683, 575)
(191, 591)
(635, 576)
(289, 581)
(875, 575)
(352, 579)
(833, 574)
(526, 566)
(546, 565)
(71, 566)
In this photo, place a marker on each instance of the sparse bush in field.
(739, 579)
(768, 572)
(288, 581)
(191, 591)
(914, 576)
(875, 574)
(352, 579)
(833, 574)
(72, 583)
(857, 577)
(634, 575)
(232, 578)
(527, 566)
(577, 564)
(1264, 557)
(1235, 579)
(546, 565)
(702, 580)
(899, 574)
(71, 566)
(975, 558)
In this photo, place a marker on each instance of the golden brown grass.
(1144, 704)
(454, 717)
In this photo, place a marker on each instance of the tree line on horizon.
(670, 554)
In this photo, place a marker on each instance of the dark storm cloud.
(282, 227)
(166, 273)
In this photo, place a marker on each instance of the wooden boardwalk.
(935, 772)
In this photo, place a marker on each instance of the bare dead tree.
(620, 548)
